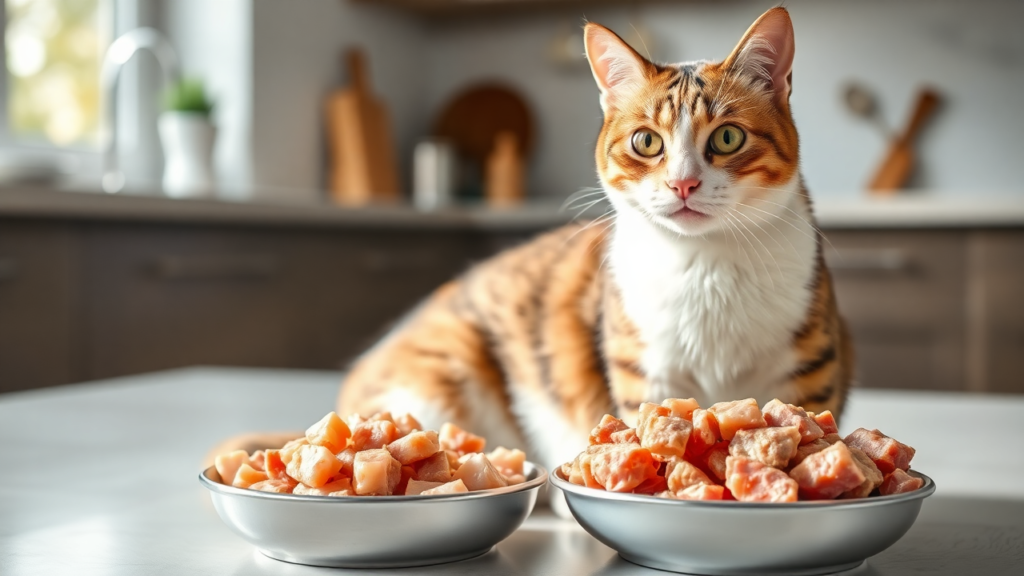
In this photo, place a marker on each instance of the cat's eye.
(727, 139)
(647, 143)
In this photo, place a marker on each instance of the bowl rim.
(924, 491)
(536, 476)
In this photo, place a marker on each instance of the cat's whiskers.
(753, 248)
(761, 258)
(769, 222)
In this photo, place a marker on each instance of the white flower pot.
(188, 139)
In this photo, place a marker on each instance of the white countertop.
(100, 478)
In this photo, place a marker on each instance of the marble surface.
(100, 479)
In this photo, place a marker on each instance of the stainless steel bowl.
(736, 538)
(374, 531)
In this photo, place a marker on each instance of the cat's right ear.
(618, 69)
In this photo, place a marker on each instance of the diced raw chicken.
(681, 474)
(453, 459)
(872, 475)
(737, 415)
(288, 450)
(347, 457)
(313, 466)
(715, 460)
(627, 436)
(899, 482)
(515, 479)
(477, 473)
(508, 462)
(330, 432)
(272, 485)
(434, 468)
(601, 434)
(681, 407)
(406, 424)
(777, 413)
(339, 487)
(354, 420)
(383, 417)
(573, 473)
(257, 459)
(406, 474)
(247, 476)
(374, 434)
(418, 486)
(652, 486)
(647, 411)
(887, 453)
(832, 438)
(807, 449)
(453, 487)
(701, 492)
(274, 466)
(376, 473)
(458, 440)
(414, 447)
(770, 446)
(827, 474)
(750, 481)
(705, 433)
(666, 437)
(827, 422)
(617, 467)
(228, 464)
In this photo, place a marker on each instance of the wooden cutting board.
(361, 151)
(473, 119)
(892, 175)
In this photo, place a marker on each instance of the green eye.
(727, 139)
(647, 143)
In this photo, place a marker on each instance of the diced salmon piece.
(418, 486)
(666, 437)
(827, 422)
(274, 466)
(681, 474)
(647, 411)
(290, 447)
(737, 415)
(453, 459)
(750, 481)
(375, 473)
(456, 439)
(617, 467)
(453, 487)
(806, 450)
(383, 417)
(228, 464)
(406, 474)
(515, 479)
(434, 468)
(832, 438)
(354, 420)
(414, 446)
(338, 487)
(313, 465)
(770, 446)
(652, 486)
(347, 457)
(701, 492)
(872, 475)
(247, 476)
(406, 424)
(827, 474)
(330, 432)
(257, 460)
(601, 434)
(715, 460)
(272, 485)
(776, 413)
(572, 472)
(705, 433)
(374, 434)
(477, 473)
(681, 407)
(508, 462)
(887, 453)
(898, 482)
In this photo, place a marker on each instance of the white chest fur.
(716, 313)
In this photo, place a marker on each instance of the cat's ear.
(620, 72)
(766, 52)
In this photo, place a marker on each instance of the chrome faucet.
(120, 52)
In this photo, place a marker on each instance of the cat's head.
(690, 145)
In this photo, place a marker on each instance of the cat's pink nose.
(683, 188)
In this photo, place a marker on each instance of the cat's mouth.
(688, 214)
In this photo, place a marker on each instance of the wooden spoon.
(899, 162)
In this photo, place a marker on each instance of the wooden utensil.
(362, 152)
(899, 161)
(504, 174)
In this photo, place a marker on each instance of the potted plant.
(187, 136)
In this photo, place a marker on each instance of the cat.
(709, 282)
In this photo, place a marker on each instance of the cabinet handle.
(8, 269)
(870, 261)
(217, 267)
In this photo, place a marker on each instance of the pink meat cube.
(651, 486)
(681, 407)
(646, 412)
(406, 424)
(418, 486)
(806, 450)
(770, 446)
(435, 468)
(330, 432)
(898, 482)
(477, 473)
(374, 434)
(681, 474)
(453, 487)
(257, 460)
(737, 415)
(832, 438)
(458, 440)
(827, 422)
(278, 486)
(776, 413)
(715, 460)
(887, 453)
(750, 481)
(617, 467)
(228, 464)
(872, 475)
(414, 446)
(705, 433)
(627, 436)
(376, 473)
(339, 487)
(313, 465)
(508, 462)
(247, 476)
(666, 437)
(701, 492)
(601, 434)
(290, 447)
(829, 473)
(347, 457)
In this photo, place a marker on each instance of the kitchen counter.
(101, 479)
(901, 211)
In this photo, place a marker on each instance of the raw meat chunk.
(453, 487)
(737, 415)
(458, 440)
(406, 474)
(376, 473)
(515, 479)
(680, 475)
(330, 432)
(414, 447)
(647, 411)
(228, 464)
(374, 434)
(899, 482)
(257, 460)
(872, 475)
(347, 457)
(247, 476)
(601, 434)
(807, 449)
(288, 450)
(338, 487)
(434, 468)
(666, 436)
(770, 446)
(681, 407)
(777, 413)
(750, 481)
(827, 422)
(508, 462)
(406, 424)
(617, 467)
(715, 460)
(888, 454)
(705, 433)
(701, 492)
(827, 474)
(627, 436)
(477, 473)
(313, 466)
(274, 466)
(572, 472)
(279, 486)
(383, 417)
(418, 486)
(651, 486)
(832, 438)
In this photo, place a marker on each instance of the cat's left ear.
(620, 72)
(766, 52)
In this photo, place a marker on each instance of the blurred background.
(272, 183)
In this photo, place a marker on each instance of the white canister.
(433, 175)
(188, 139)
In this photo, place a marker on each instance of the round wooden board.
(475, 116)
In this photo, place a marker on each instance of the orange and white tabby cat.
(709, 283)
